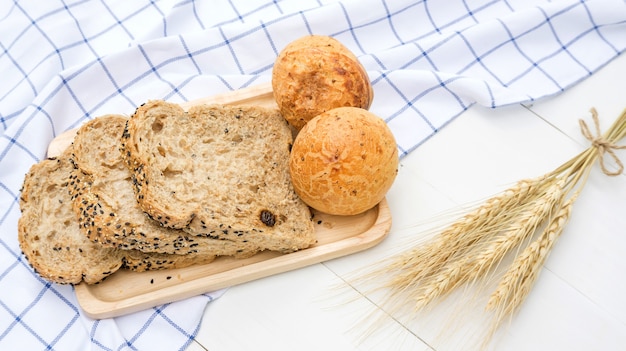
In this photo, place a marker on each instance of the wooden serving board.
(125, 291)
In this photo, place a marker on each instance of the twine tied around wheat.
(603, 145)
(524, 220)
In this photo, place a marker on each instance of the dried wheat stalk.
(528, 217)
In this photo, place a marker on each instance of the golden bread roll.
(317, 73)
(344, 161)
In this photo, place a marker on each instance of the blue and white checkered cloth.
(63, 62)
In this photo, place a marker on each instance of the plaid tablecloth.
(64, 62)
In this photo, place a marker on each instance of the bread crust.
(315, 74)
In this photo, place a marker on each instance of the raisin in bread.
(104, 200)
(218, 171)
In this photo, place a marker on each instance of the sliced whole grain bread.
(219, 171)
(104, 199)
(53, 243)
(48, 232)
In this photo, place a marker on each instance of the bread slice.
(219, 171)
(104, 199)
(48, 232)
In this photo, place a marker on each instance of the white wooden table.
(579, 300)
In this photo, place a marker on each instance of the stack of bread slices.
(165, 188)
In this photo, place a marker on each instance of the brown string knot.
(603, 145)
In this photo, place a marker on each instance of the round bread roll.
(317, 73)
(344, 161)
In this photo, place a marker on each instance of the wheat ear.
(523, 272)
(524, 226)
